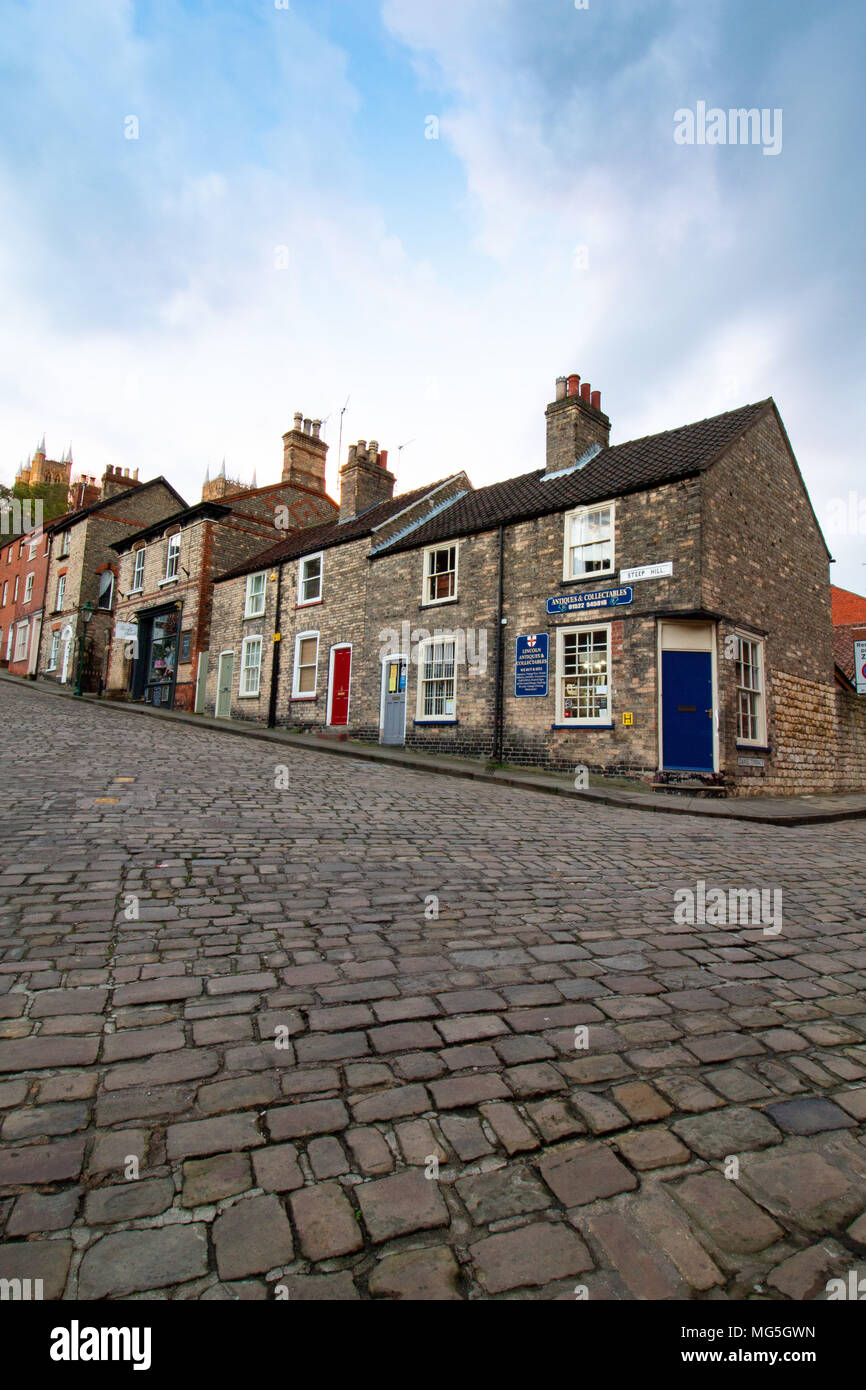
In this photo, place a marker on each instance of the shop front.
(154, 670)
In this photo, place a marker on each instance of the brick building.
(82, 573)
(167, 569)
(657, 609)
(317, 581)
(23, 574)
(849, 626)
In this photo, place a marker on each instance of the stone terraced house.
(657, 609)
(167, 569)
(81, 582)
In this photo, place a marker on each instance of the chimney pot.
(317, 425)
(353, 452)
(308, 426)
(561, 388)
(595, 400)
(299, 420)
(383, 458)
(585, 391)
(573, 384)
(374, 449)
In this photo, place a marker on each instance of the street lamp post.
(86, 614)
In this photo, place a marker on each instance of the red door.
(340, 685)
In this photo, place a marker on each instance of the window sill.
(131, 593)
(586, 578)
(308, 603)
(309, 699)
(581, 724)
(173, 579)
(438, 603)
(753, 747)
(249, 616)
(435, 723)
(250, 695)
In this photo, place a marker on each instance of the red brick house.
(849, 626)
(23, 574)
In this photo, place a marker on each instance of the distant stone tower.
(41, 469)
(213, 489)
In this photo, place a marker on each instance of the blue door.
(687, 711)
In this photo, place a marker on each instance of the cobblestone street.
(348, 1031)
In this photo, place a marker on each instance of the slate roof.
(614, 472)
(331, 533)
(62, 523)
(214, 510)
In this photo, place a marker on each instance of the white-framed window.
(9, 638)
(583, 675)
(21, 633)
(138, 571)
(61, 592)
(15, 591)
(172, 556)
(749, 667)
(255, 600)
(310, 579)
(106, 590)
(589, 548)
(28, 588)
(5, 591)
(251, 666)
(305, 674)
(440, 573)
(63, 543)
(55, 648)
(436, 678)
(34, 546)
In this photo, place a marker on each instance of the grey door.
(224, 685)
(394, 700)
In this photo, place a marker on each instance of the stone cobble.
(383, 1034)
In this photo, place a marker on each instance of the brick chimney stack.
(575, 421)
(364, 479)
(304, 455)
(117, 479)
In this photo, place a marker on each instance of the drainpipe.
(500, 662)
(275, 660)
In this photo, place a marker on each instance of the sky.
(428, 209)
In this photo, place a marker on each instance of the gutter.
(500, 655)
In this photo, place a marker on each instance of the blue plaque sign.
(530, 666)
(596, 598)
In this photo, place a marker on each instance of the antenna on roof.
(340, 440)
(400, 448)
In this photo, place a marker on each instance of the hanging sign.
(124, 632)
(531, 664)
(596, 598)
(860, 666)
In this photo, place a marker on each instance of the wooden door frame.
(338, 647)
(393, 656)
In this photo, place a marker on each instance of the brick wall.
(209, 547)
(90, 542)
